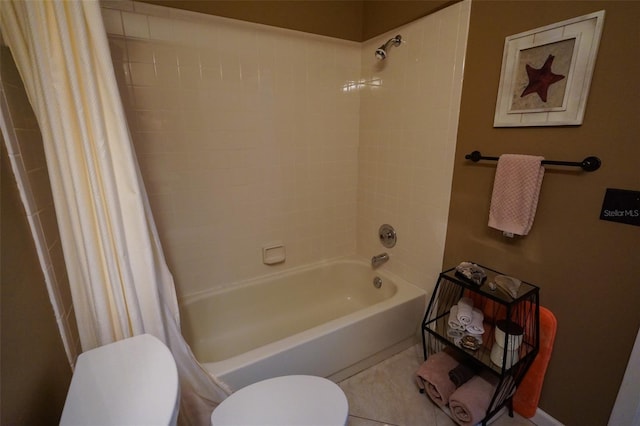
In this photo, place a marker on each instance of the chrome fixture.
(381, 52)
(387, 234)
(377, 282)
(379, 259)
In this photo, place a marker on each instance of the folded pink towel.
(469, 403)
(433, 377)
(515, 193)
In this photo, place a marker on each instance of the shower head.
(381, 52)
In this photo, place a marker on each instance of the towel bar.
(589, 164)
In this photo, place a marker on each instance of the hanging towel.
(433, 377)
(476, 326)
(465, 311)
(469, 403)
(526, 398)
(453, 322)
(515, 193)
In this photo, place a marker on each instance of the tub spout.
(379, 259)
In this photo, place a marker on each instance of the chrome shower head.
(381, 52)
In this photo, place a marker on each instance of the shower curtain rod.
(589, 164)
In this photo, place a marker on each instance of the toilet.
(287, 400)
(130, 382)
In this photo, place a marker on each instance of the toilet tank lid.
(286, 400)
(132, 381)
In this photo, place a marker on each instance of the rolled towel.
(453, 322)
(465, 310)
(469, 403)
(476, 326)
(461, 374)
(433, 377)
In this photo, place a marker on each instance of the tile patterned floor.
(386, 394)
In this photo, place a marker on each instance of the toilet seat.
(288, 400)
(130, 382)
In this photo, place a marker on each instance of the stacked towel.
(469, 403)
(515, 193)
(476, 326)
(457, 330)
(433, 377)
(465, 310)
(453, 321)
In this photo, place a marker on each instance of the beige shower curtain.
(120, 282)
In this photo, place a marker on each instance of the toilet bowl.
(130, 382)
(287, 400)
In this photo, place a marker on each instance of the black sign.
(621, 205)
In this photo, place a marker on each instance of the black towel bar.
(589, 164)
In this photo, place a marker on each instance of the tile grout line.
(373, 420)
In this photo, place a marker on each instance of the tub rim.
(227, 287)
(405, 292)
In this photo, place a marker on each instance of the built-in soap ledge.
(273, 254)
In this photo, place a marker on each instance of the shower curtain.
(120, 283)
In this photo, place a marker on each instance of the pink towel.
(469, 403)
(433, 377)
(515, 193)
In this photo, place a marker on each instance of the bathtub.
(326, 319)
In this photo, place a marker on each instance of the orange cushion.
(526, 398)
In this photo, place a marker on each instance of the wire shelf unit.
(496, 305)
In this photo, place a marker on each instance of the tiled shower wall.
(26, 154)
(244, 137)
(248, 135)
(408, 129)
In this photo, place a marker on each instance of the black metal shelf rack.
(496, 305)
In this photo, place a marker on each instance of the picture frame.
(546, 73)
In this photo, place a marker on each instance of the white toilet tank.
(129, 382)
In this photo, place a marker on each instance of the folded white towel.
(515, 193)
(476, 326)
(465, 310)
(453, 322)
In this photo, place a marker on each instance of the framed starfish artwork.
(546, 73)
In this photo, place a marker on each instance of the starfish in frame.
(541, 79)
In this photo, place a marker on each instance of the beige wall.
(35, 368)
(379, 16)
(34, 372)
(349, 20)
(26, 154)
(342, 19)
(587, 269)
(408, 123)
(245, 137)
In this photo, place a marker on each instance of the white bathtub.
(326, 319)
